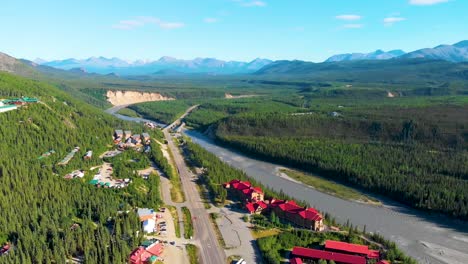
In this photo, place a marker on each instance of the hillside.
(46, 218)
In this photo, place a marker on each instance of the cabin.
(256, 207)
(118, 135)
(128, 134)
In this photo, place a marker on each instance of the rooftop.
(351, 248)
(327, 255)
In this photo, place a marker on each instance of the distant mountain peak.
(457, 52)
(376, 55)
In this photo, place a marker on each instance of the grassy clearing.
(260, 233)
(330, 187)
(213, 217)
(192, 251)
(128, 112)
(175, 218)
(188, 224)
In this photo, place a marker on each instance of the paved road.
(210, 252)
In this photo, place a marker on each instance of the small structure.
(295, 261)
(335, 114)
(315, 254)
(88, 155)
(46, 154)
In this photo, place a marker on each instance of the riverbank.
(327, 186)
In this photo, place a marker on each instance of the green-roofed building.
(93, 182)
(152, 259)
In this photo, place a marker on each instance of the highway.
(211, 251)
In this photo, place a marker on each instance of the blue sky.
(226, 29)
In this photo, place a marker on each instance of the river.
(429, 239)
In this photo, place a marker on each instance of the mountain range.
(118, 66)
(457, 52)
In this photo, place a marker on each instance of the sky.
(243, 30)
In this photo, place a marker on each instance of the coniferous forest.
(46, 218)
(421, 162)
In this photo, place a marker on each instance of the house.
(354, 249)
(139, 256)
(149, 225)
(306, 254)
(256, 207)
(128, 134)
(88, 155)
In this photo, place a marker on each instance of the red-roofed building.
(139, 256)
(155, 249)
(244, 190)
(256, 207)
(343, 247)
(304, 217)
(315, 254)
(295, 261)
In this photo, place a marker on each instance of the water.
(429, 239)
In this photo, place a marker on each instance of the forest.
(46, 218)
(420, 160)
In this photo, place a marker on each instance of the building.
(256, 207)
(149, 225)
(244, 190)
(88, 155)
(118, 135)
(128, 134)
(6, 108)
(139, 256)
(306, 254)
(146, 137)
(304, 217)
(295, 261)
(354, 249)
(136, 139)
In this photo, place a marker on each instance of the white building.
(149, 225)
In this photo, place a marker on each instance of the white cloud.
(388, 21)
(426, 2)
(210, 20)
(349, 17)
(146, 20)
(353, 25)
